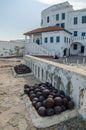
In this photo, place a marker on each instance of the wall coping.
(44, 122)
(69, 68)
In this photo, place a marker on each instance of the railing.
(35, 49)
(79, 38)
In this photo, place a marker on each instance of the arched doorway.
(66, 52)
(77, 48)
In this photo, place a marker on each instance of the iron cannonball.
(38, 94)
(70, 105)
(58, 101)
(49, 111)
(49, 102)
(46, 92)
(32, 96)
(35, 99)
(65, 101)
(41, 98)
(38, 104)
(58, 110)
(42, 111)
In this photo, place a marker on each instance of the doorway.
(82, 49)
(38, 41)
(65, 52)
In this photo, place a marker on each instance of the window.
(48, 19)
(63, 16)
(75, 46)
(57, 16)
(83, 19)
(67, 39)
(57, 24)
(64, 39)
(46, 40)
(83, 34)
(75, 33)
(75, 20)
(63, 25)
(51, 39)
(57, 39)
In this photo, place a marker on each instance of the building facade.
(70, 41)
(53, 38)
(65, 16)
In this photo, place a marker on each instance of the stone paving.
(72, 61)
(13, 114)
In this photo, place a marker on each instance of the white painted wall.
(11, 48)
(52, 11)
(77, 79)
(57, 47)
(77, 27)
(69, 20)
(76, 52)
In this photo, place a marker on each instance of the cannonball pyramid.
(47, 100)
(22, 69)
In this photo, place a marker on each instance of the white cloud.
(50, 1)
(79, 5)
(76, 4)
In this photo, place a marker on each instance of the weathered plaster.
(72, 81)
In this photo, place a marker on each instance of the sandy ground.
(13, 114)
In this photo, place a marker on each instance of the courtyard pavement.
(75, 61)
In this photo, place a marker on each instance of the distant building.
(63, 30)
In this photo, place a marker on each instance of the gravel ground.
(13, 114)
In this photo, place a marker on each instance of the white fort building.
(62, 32)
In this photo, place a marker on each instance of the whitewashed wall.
(72, 81)
(12, 48)
(59, 47)
(75, 52)
(70, 13)
(52, 11)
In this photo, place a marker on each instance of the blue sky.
(19, 16)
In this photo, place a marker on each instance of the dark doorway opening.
(65, 52)
(38, 41)
(82, 49)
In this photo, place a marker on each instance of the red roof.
(45, 29)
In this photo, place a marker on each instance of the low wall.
(65, 120)
(11, 48)
(72, 81)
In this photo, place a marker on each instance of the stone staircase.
(38, 50)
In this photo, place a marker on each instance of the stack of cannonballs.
(22, 69)
(47, 100)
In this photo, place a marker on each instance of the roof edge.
(45, 29)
